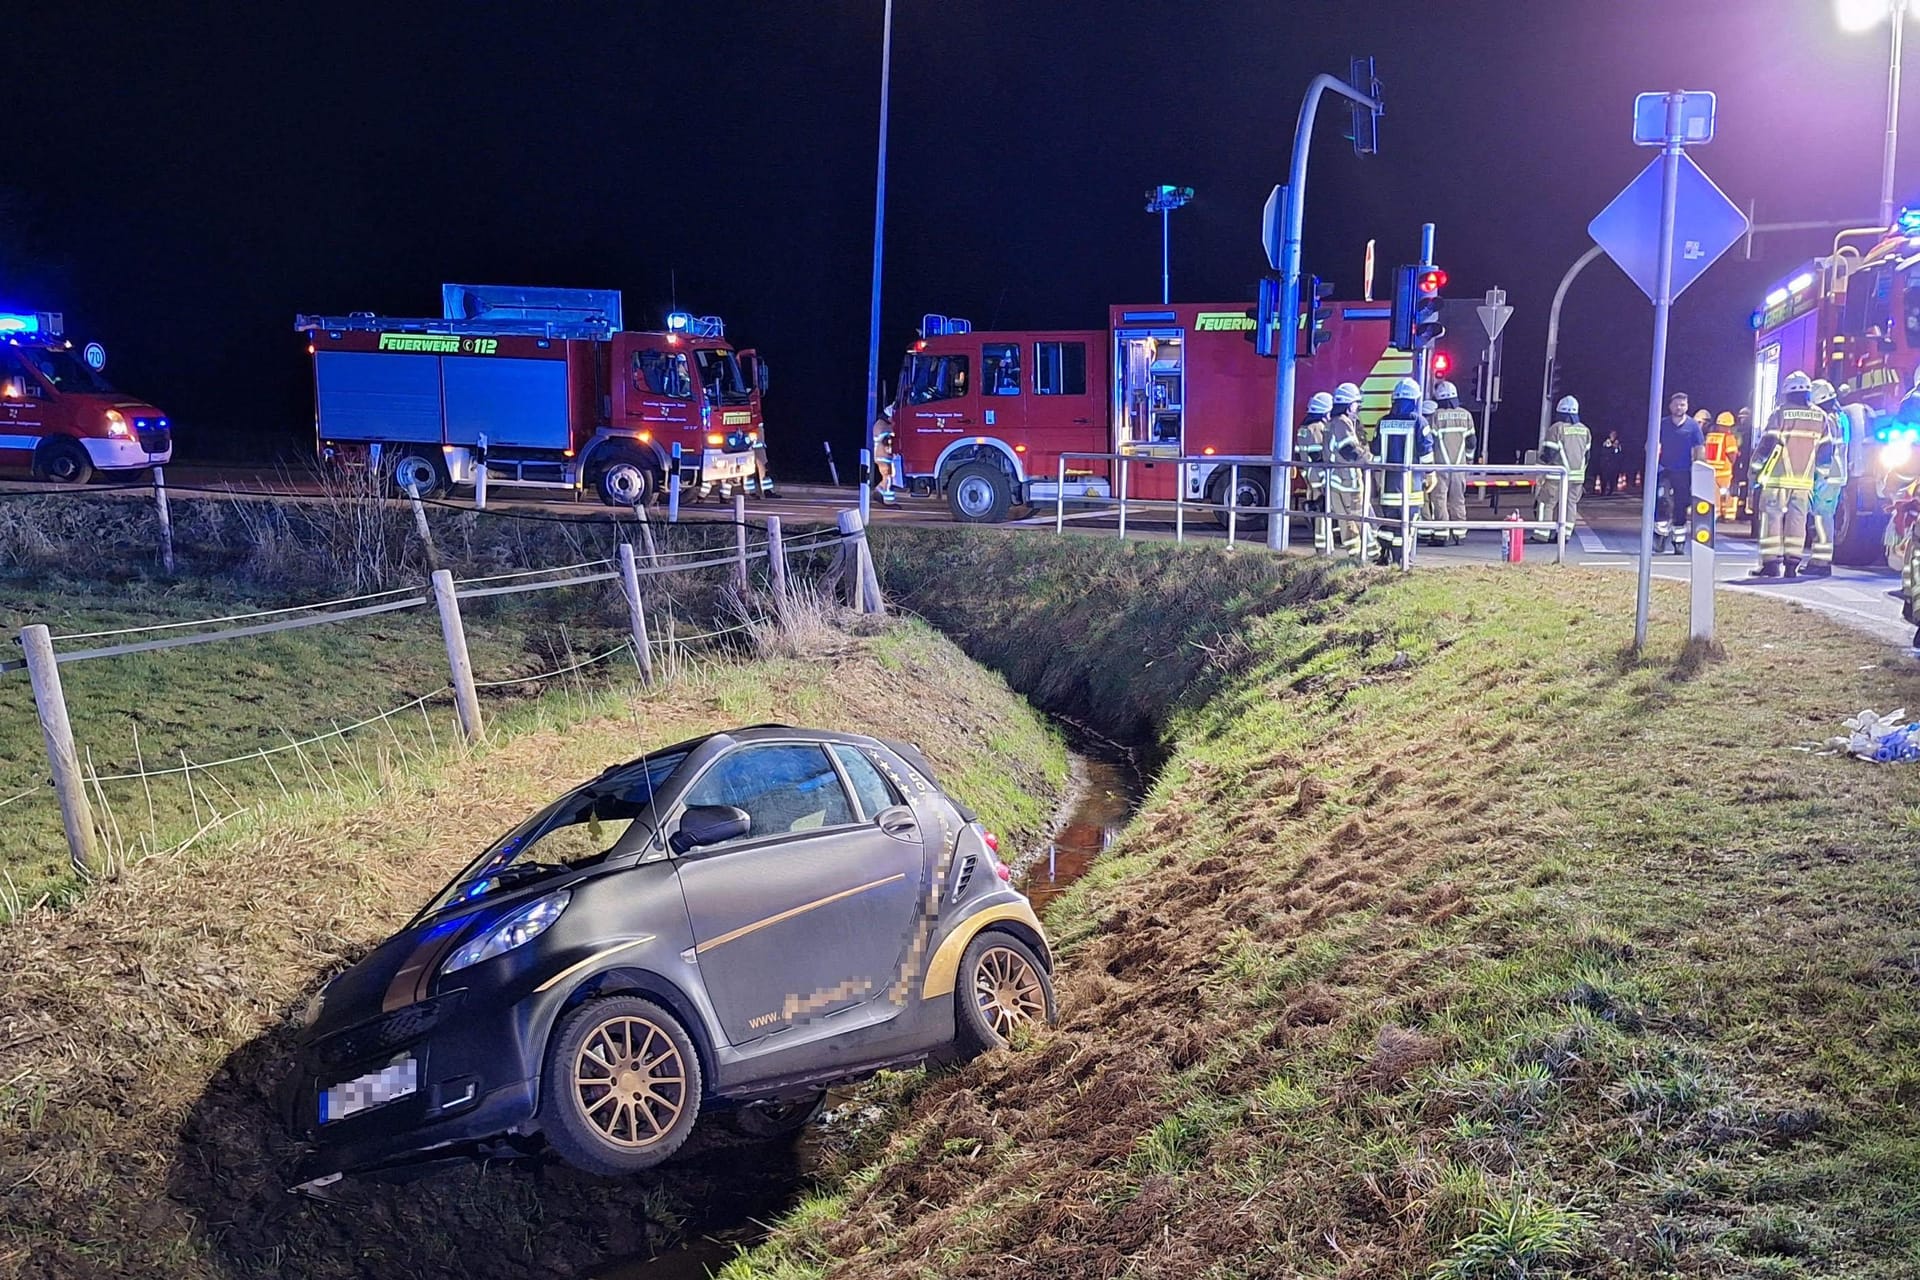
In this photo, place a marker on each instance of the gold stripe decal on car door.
(790, 913)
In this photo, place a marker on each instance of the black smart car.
(737, 921)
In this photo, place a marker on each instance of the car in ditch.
(731, 924)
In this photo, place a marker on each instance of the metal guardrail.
(1407, 508)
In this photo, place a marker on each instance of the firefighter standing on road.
(1785, 459)
(1723, 451)
(1829, 477)
(1404, 440)
(1453, 446)
(1310, 450)
(1681, 445)
(885, 464)
(1569, 444)
(1347, 485)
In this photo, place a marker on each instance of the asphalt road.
(1607, 536)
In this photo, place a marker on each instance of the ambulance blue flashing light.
(19, 322)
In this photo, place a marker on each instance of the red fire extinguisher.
(1516, 540)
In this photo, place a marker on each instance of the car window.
(873, 791)
(783, 787)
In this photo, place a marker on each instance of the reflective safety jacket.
(1403, 440)
(1453, 434)
(1568, 444)
(1309, 447)
(1791, 445)
(1343, 445)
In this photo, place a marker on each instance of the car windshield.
(579, 828)
(720, 374)
(66, 371)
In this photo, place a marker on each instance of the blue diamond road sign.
(1705, 225)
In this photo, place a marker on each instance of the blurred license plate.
(396, 1080)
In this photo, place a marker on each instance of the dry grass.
(143, 1030)
(1450, 943)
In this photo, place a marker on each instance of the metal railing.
(1405, 510)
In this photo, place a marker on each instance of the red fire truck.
(985, 417)
(546, 388)
(59, 417)
(1853, 319)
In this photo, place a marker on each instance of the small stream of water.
(746, 1188)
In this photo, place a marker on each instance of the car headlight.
(517, 929)
(116, 423)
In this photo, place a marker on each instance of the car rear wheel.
(980, 493)
(1002, 989)
(622, 1086)
(769, 1120)
(63, 461)
(421, 472)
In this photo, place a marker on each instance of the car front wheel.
(1002, 989)
(622, 1086)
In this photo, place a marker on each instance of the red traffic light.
(1430, 281)
(1442, 364)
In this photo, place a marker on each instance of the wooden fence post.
(740, 578)
(166, 519)
(636, 616)
(71, 789)
(865, 582)
(466, 698)
(777, 567)
(420, 524)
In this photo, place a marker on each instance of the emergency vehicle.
(1853, 319)
(984, 417)
(59, 417)
(546, 388)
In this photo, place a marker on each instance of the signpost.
(1494, 314)
(1665, 229)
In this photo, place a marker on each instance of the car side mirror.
(709, 824)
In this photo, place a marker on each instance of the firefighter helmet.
(1346, 393)
(1406, 389)
(1822, 391)
(1796, 381)
(1567, 405)
(1319, 404)
(1724, 420)
(1429, 407)
(1444, 390)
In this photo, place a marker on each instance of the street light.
(1163, 200)
(1862, 15)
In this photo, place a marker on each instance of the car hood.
(390, 976)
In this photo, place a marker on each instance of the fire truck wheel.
(422, 471)
(1859, 536)
(979, 493)
(624, 477)
(1251, 493)
(62, 460)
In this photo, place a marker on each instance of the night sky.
(183, 180)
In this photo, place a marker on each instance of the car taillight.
(993, 841)
(1004, 871)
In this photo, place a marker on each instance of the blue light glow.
(19, 322)
(1908, 220)
(679, 321)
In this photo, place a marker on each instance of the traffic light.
(1428, 327)
(1265, 315)
(1318, 315)
(1442, 365)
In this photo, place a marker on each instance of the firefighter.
(1829, 478)
(1404, 440)
(1784, 464)
(1453, 445)
(1310, 451)
(885, 465)
(1569, 443)
(1723, 452)
(1347, 486)
(1681, 445)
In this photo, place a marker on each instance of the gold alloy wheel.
(630, 1081)
(1008, 991)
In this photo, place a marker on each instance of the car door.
(809, 912)
(22, 412)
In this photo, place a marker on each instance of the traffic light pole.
(1553, 337)
(1426, 352)
(1280, 528)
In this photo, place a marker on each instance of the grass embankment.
(1451, 942)
(143, 1030)
(85, 565)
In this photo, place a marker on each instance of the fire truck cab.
(545, 388)
(985, 417)
(59, 417)
(1853, 319)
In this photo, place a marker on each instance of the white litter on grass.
(1883, 739)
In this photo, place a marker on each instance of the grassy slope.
(1450, 941)
(142, 1031)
